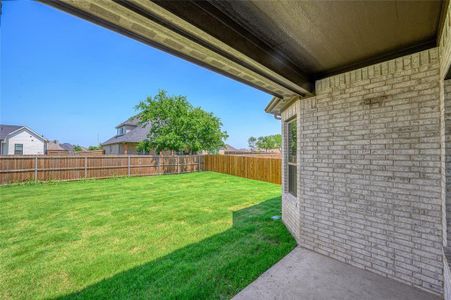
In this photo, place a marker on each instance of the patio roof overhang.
(281, 47)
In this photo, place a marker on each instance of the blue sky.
(74, 81)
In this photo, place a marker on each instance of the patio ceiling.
(280, 47)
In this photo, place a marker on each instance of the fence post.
(36, 169)
(129, 165)
(158, 165)
(178, 164)
(198, 163)
(86, 167)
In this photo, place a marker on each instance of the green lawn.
(190, 236)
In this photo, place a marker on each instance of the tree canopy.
(178, 126)
(252, 142)
(265, 142)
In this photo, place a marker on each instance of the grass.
(190, 236)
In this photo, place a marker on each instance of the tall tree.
(177, 125)
(98, 147)
(263, 143)
(269, 142)
(277, 141)
(251, 141)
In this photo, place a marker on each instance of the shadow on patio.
(239, 256)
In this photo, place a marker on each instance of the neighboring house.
(54, 148)
(21, 140)
(71, 148)
(226, 148)
(129, 134)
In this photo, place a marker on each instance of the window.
(120, 131)
(292, 148)
(18, 149)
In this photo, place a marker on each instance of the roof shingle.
(7, 129)
(136, 135)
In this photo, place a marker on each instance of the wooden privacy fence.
(258, 168)
(44, 168)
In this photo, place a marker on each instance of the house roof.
(133, 121)
(227, 147)
(136, 135)
(54, 145)
(70, 147)
(7, 129)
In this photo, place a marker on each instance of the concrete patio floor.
(304, 275)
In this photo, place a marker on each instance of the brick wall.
(369, 170)
(445, 101)
(446, 148)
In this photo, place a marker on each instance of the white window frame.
(291, 186)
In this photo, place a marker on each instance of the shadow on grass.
(214, 268)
